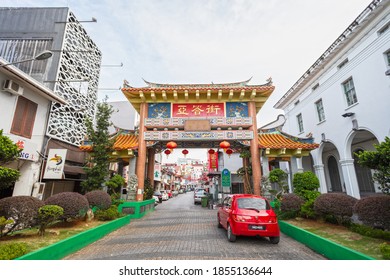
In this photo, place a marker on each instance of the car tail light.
(272, 220)
(241, 218)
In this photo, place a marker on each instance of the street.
(180, 230)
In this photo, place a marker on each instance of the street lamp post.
(41, 56)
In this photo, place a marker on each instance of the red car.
(248, 215)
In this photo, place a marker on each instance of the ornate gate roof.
(185, 93)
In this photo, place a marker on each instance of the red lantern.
(229, 151)
(185, 152)
(224, 145)
(171, 145)
(211, 151)
(167, 152)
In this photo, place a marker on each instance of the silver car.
(198, 195)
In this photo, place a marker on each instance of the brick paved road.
(180, 230)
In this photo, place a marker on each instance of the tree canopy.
(98, 160)
(9, 152)
(379, 161)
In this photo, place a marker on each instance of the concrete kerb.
(72, 244)
(325, 247)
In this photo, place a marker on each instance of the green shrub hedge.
(335, 207)
(99, 199)
(75, 205)
(374, 211)
(109, 214)
(12, 250)
(23, 210)
(290, 206)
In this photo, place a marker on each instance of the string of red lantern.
(229, 151)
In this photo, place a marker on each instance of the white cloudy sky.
(202, 41)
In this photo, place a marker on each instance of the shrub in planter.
(12, 250)
(335, 207)
(109, 214)
(306, 185)
(369, 231)
(75, 205)
(99, 199)
(48, 215)
(385, 250)
(290, 205)
(23, 210)
(374, 211)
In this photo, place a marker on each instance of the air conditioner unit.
(12, 87)
(41, 189)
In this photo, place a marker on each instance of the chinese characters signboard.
(192, 110)
(29, 148)
(213, 161)
(197, 110)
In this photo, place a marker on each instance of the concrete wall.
(29, 168)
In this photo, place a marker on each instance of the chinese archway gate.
(197, 115)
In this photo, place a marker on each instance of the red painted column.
(151, 154)
(141, 160)
(254, 149)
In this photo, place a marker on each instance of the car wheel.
(219, 223)
(231, 237)
(274, 239)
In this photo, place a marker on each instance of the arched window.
(364, 176)
(334, 175)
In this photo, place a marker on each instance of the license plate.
(256, 227)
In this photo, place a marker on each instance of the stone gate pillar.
(254, 149)
(141, 161)
(151, 153)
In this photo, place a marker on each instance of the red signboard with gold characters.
(213, 161)
(192, 110)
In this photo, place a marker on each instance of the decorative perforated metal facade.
(77, 82)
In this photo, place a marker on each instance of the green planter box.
(72, 244)
(323, 246)
(137, 209)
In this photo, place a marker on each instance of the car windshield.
(252, 203)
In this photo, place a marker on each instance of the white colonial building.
(343, 101)
(24, 107)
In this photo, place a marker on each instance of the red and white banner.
(213, 161)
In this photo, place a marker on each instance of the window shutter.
(30, 119)
(24, 117)
(17, 124)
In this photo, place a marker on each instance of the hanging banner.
(184, 110)
(55, 164)
(213, 161)
(157, 172)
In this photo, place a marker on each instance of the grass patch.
(54, 234)
(342, 235)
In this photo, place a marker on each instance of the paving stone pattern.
(180, 230)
